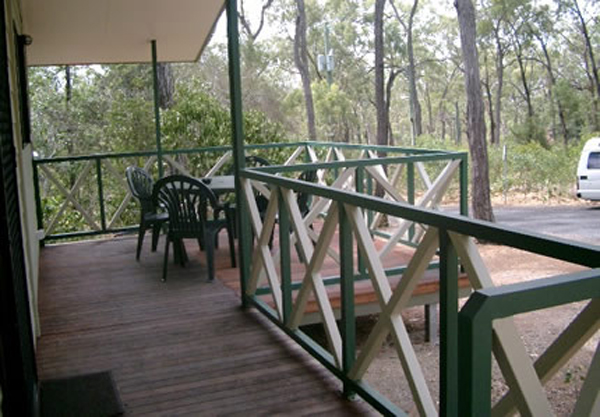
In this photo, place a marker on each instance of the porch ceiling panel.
(117, 31)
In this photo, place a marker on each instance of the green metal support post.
(475, 361)
(448, 326)
(370, 215)
(101, 193)
(38, 200)
(360, 188)
(328, 70)
(464, 185)
(348, 326)
(410, 185)
(285, 261)
(235, 99)
(157, 110)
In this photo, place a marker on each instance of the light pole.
(325, 62)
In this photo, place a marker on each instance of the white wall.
(24, 169)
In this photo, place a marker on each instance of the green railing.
(451, 237)
(83, 196)
(475, 334)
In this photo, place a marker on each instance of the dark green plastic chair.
(141, 185)
(262, 202)
(190, 204)
(304, 199)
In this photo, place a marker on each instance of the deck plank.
(183, 347)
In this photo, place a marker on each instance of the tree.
(481, 202)
(247, 28)
(380, 105)
(541, 28)
(301, 60)
(166, 85)
(575, 10)
(411, 72)
(494, 27)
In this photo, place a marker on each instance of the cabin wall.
(24, 154)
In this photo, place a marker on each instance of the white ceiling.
(117, 31)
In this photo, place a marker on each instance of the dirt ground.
(537, 331)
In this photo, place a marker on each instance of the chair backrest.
(186, 200)
(304, 198)
(253, 161)
(141, 184)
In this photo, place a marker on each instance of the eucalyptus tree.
(481, 202)
(407, 22)
(380, 104)
(302, 64)
(351, 43)
(543, 29)
(250, 33)
(493, 27)
(583, 17)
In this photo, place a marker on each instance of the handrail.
(450, 236)
(559, 248)
(354, 163)
(486, 305)
(103, 161)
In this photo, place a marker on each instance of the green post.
(328, 68)
(360, 176)
(464, 185)
(475, 360)
(157, 110)
(348, 326)
(370, 215)
(38, 199)
(448, 326)
(235, 99)
(284, 258)
(410, 185)
(100, 193)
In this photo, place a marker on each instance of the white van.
(588, 171)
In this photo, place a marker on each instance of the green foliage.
(535, 169)
(530, 169)
(531, 130)
(334, 112)
(195, 120)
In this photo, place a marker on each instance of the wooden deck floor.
(178, 348)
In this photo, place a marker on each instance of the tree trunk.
(590, 50)
(68, 87)
(301, 60)
(388, 102)
(166, 85)
(499, 86)
(595, 114)
(382, 117)
(415, 106)
(68, 124)
(488, 93)
(430, 123)
(457, 129)
(552, 78)
(252, 35)
(525, 83)
(481, 202)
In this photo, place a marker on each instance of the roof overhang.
(70, 32)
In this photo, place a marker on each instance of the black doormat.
(89, 395)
